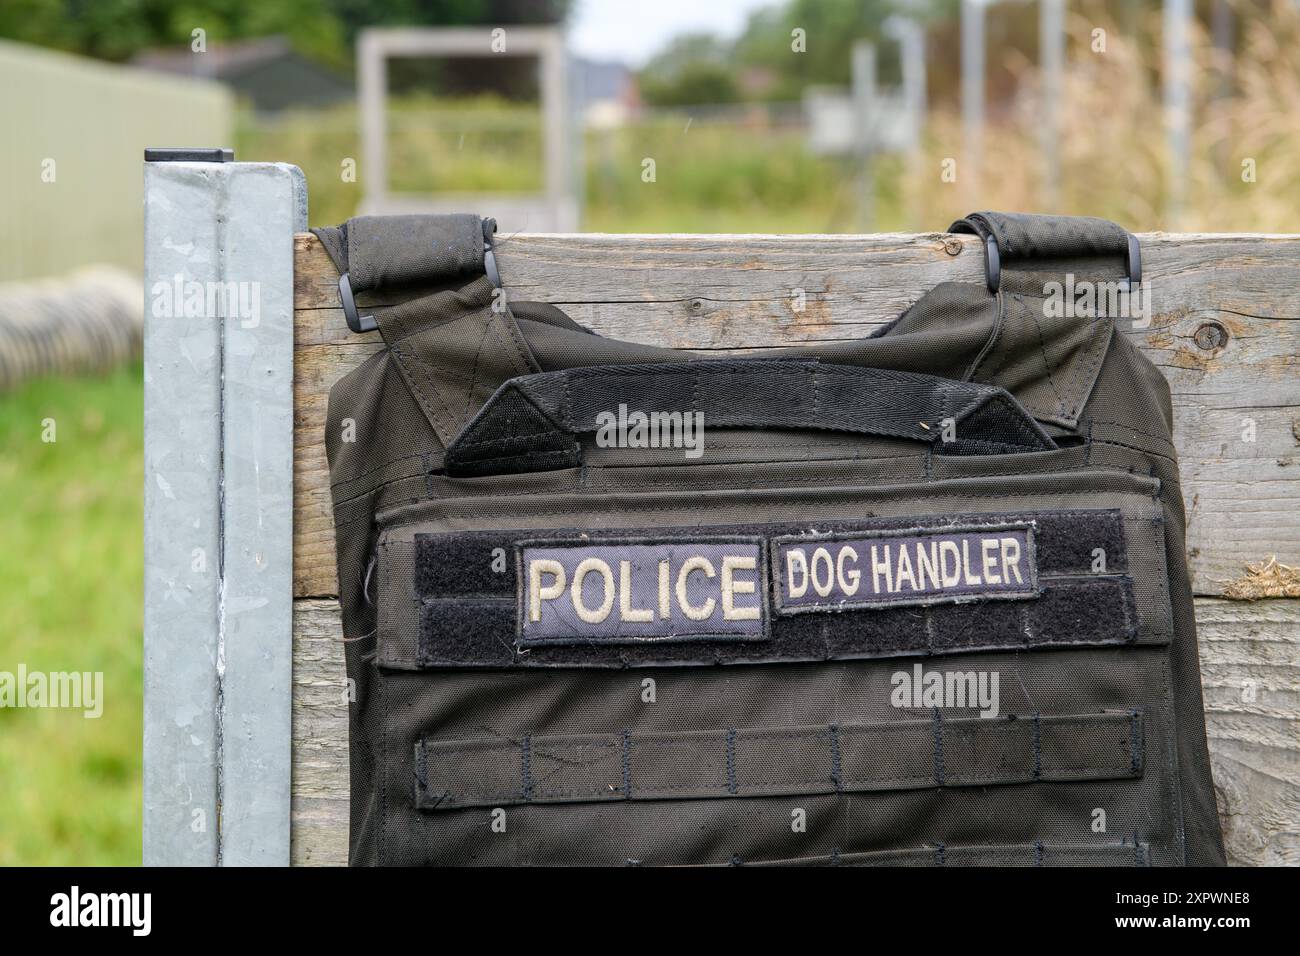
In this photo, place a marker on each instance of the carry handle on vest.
(533, 422)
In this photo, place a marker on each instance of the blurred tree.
(702, 69)
(358, 14)
(693, 69)
(830, 28)
(114, 29)
(323, 29)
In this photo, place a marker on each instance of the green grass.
(709, 177)
(71, 576)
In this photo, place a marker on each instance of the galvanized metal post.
(863, 75)
(911, 55)
(372, 104)
(1051, 68)
(1178, 98)
(218, 346)
(972, 97)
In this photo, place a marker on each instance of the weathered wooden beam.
(1250, 665)
(1226, 333)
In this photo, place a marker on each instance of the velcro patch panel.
(772, 593)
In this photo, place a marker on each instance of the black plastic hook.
(489, 252)
(357, 323)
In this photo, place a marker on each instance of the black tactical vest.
(919, 598)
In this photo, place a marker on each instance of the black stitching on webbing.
(409, 364)
(473, 375)
(357, 477)
(566, 403)
(1100, 346)
(1038, 746)
(940, 855)
(382, 837)
(731, 761)
(1038, 853)
(526, 768)
(627, 764)
(938, 748)
(1137, 851)
(421, 768)
(1042, 350)
(428, 474)
(515, 438)
(1134, 743)
(1150, 452)
(835, 758)
(835, 856)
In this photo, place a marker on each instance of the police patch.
(902, 567)
(622, 591)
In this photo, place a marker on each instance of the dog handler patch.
(909, 566)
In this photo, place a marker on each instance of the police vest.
(919, 598)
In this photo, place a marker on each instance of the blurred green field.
(743, 170)
(709, 176)
(71, 575)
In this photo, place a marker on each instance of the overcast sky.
(632, 31)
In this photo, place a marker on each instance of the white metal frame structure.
(555, 209)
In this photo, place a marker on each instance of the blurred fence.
(71, 154)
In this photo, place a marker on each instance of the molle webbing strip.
(778, 761)
(1022, 854)
(468, 599)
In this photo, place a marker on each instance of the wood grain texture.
(1250, 666)
(734, 294)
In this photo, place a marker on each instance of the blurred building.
(70, 165)
(604, 93)
(267, 72)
